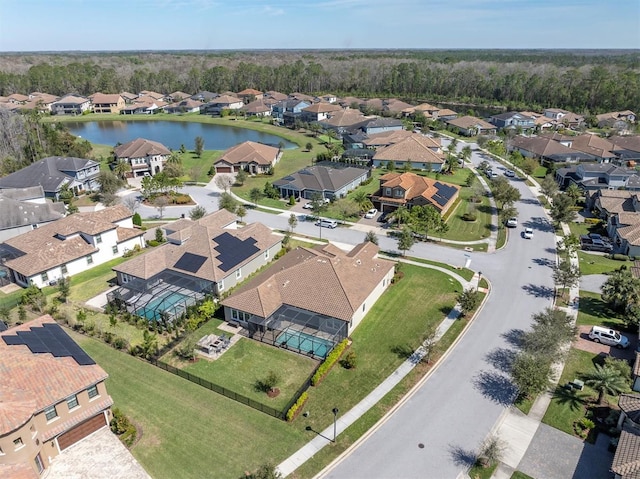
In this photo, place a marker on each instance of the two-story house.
(70, 105)
(107, 103)
(288, 111)
(319, 111)
(71, 245)
(187, 105)
(146, 157)
(593, 176)
(25, 209)
(53, 173)
(372, 126)
(222, 102)
(421, 151)
(513, 120)
(53, 395)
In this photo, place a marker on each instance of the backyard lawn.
(598, 264)
(593, 311)
(189, 431)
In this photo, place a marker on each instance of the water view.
(171, 134)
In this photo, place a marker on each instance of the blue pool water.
(165, 302)
(305, 342)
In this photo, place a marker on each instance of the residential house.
(152, 94)
(626, 462)
(250, 156)
(472, 126)
(275, 95)
(429, 111)
(128, 97)
(372, 105)
(222, 102)
(393, 106)
(409, 190)
(208, 256)
(372, 126)
(70, 105)
(250, 94)
(344, 121)
(626, 232)
(318, 112)
(616, 119)
(41, 101)
(446, 114)
(600, 149)
(319, 295)
(541, 122)
(205, 96)
(387, 138)
(178, 96)
(18, 98)
(71, 245)
(329, 180)
(146, 157)
(143, 106)
(564, 117)
(259, 108)
(512, 120)
(103, 103)
(53, 396)
(626, 149)
(301, 97)
(355, 140)
(593, 176)
(55, 172)
(547, 150)
(350, 102)
(421, 151)
(25, 209)
(608, 201)
(329, 98)
(184, 106)
(288, 111)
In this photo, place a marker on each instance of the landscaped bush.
(136, 219)
(593, 221)
(349, 361)
(152, 243)
(122, 427)
(182, 199)
(620, 257)
(295, 409)
(469, 217)
(329, 362)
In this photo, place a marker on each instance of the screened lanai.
(168, 294)
(299, 330)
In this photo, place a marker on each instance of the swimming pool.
(305, 343)
(162, 303)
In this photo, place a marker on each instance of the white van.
(327, 223)
(608, 336)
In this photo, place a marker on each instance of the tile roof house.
(330, 180)
(177, 96)
(512, 119)
(286, 298)
(250, 156)
(52, 395)
(222, 102)
(275, 95)
(371, 126)
(394, 106)
(626, 462)
(142, 105)
(71, 245)
(153, 94)
(261, 107)
(616, 118)
(287, 111)
(207, 256)
(387, 138)
(626, 148)
(409, 189)
(54, 172)
(420, 150)
(144, 156)
(472, 126)
(346, 120)
(205, 96)
(600, 149)
(547, 149)
(319, 111)
(250, 94)
(107, 103)
(25, 209)
(70, 105)
(188, 105)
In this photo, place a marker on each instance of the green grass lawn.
(479, 472)
(187, 430)
(460, 230)
(520, 475)
(598, 264)
(540, 172)
(90, 283)
(593, 311)
(569, 406)
(247, 362)
(578, 229)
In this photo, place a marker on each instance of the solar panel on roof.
(190, 262)
(445, 193)
(232, 250)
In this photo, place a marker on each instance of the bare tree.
(131, 202)
(160, 203)
(224, 181)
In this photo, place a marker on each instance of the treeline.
(494, 77)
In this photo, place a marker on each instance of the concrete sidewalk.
(326, 437)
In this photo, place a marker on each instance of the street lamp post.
(335, 418)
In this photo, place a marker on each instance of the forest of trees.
(581, 81)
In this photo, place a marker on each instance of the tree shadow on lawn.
(496, 387)
(569, 397)
(403, 351)
(501, 359)
(514, 337)
(538, 291)
(596, 307)
(462, 457)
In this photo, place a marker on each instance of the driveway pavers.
(554, 454)
(585, 344)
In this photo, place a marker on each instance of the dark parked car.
(589, 244)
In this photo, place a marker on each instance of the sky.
(95, 25)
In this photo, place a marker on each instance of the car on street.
(493, 175)
(527, 233)
(371, 213)
(510, 173)
(512, 222)
(607, 336)
(327, 223)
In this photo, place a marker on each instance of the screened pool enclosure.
(166, 295)
(299, 330)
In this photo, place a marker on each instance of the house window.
(17, 443)
(50, 413)
(239, 273)
(63, 269)
(114, 249)
(39, 465)
(387, 192)
(92, 391)
(72, 402)
(124, 277)
(98, 238)
(221, 286)
(45, 277)
(89, 259)
(398, 193)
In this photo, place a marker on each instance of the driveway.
(98, 456)
(585, 344)
(553, 454)
(593, 282)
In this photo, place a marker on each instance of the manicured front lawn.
(520, 475)
(598, 264)
(461, 230)
(247, 362)
(187, 430)
(540, 172)
(593, 311)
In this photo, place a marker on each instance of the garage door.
(224, 169)
(80, 431)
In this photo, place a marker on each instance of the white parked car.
(510, 173)
(308, 206)
(528, 233)
(608, 336)
(371, 213)
(512, 222)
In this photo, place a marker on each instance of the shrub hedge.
(293, 410)
(329, 362)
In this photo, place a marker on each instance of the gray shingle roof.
(321, 178)
(17, 213)
(50, 173)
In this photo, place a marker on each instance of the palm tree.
(361, 199)
(174, 158)
(605, 380)
(121, 169)
(401, 215)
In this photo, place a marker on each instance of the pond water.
(172, 134)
